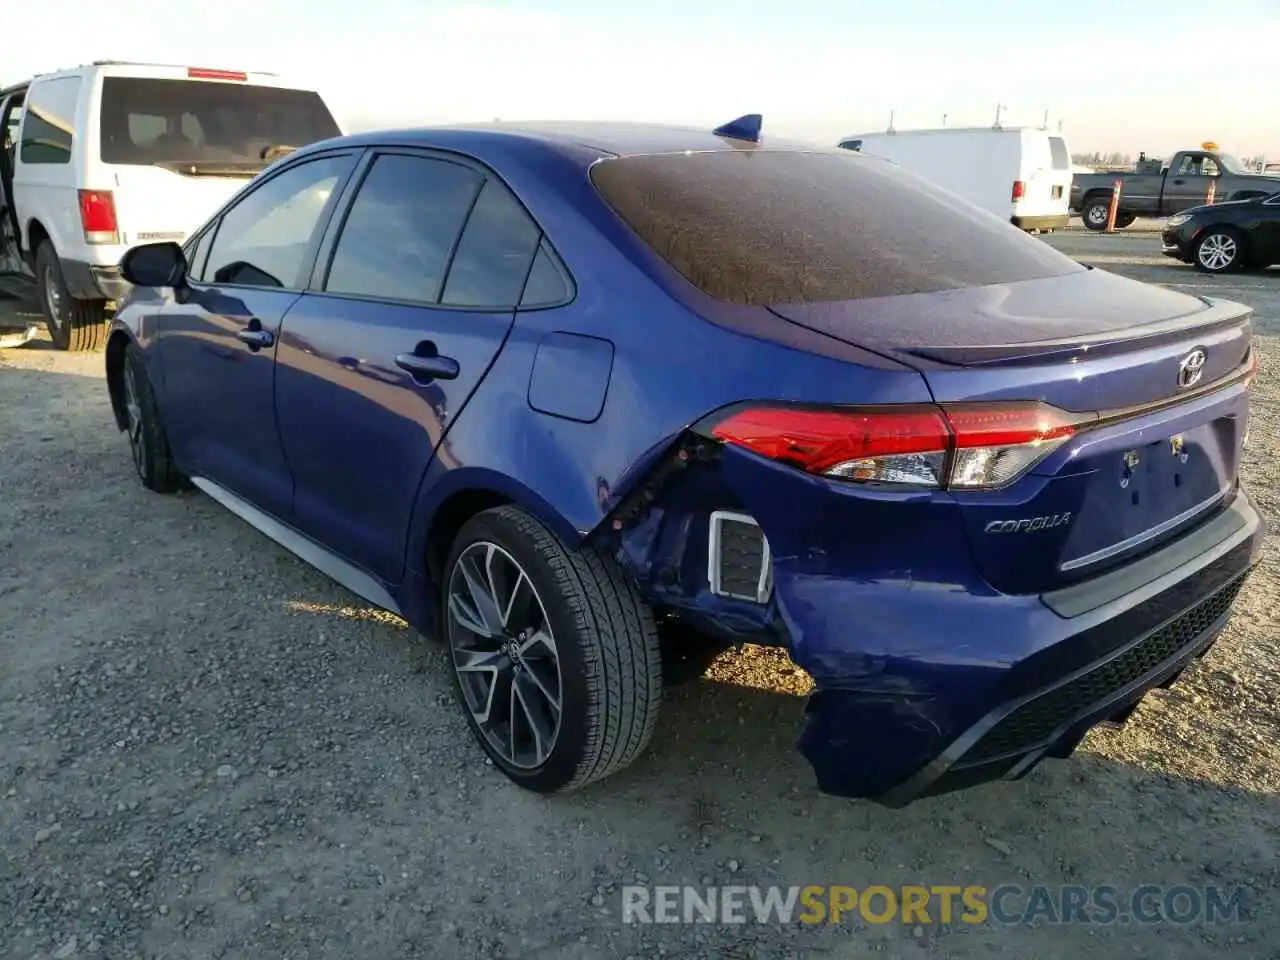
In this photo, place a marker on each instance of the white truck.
(1019, 174)
(105, 156)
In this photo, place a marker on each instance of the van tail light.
(961, 446)
(98, 216)
(1019, 190)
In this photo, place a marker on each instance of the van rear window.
(769, 226)
(1058, 148)
(198, 126)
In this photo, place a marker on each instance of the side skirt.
(302, 546)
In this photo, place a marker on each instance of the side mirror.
(154, 265)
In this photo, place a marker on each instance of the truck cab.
(1191, 179)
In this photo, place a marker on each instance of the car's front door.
(1187, 184)
(217, 339)
(10, 122)
(415, 290)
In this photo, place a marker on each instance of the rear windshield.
(1061, 159)
(198, 126)
(761, 227)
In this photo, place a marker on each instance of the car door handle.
(425, 364)
(255, 336)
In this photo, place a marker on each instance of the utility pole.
(891, 130)
(1000, 108)
(944, 119)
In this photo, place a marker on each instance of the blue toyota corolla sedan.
(543, 390)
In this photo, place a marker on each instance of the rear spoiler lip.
(1216, 315)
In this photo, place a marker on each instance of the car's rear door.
(217, 342)
(413, 295)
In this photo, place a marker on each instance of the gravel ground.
(207, 749)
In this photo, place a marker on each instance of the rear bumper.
(1052, 221)
(91, 281)
(1021, 679)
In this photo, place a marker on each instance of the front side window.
(48, 127)
(401, 229)
(265, 239)
(196, 253)
(1197, 165)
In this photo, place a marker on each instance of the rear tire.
(145, 432)
(1219, 250)
(75, 325)
(1095, 212)
(562, 626)
(1125, 220)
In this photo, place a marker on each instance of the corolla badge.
(1028, 525)
(1191, 369)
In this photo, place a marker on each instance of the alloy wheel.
(1097, 215)
(504, 654)
(1217, 251)
(133, 416)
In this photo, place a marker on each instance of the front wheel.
(555, 656)
(1219, 250)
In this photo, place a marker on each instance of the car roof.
(574, 138)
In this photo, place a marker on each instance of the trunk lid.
(1160, 453)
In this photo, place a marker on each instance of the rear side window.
(1058, 148)
(396, 241)
(48, 128)
(206, 127)
(494, 255)
(546, 285)
(761, 226)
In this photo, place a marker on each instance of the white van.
(102, 157)
(1018, 173)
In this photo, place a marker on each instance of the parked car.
(1019, 174)
(105, 156)
(541, 389)
(1224, 237)
(1161, 190)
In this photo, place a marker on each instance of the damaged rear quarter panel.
(884, 608)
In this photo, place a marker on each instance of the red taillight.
(1019, 190)
(818, 440)
(98, 216)
(959, 446)
(206, 73)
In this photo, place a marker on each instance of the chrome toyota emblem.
(1191, 369)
